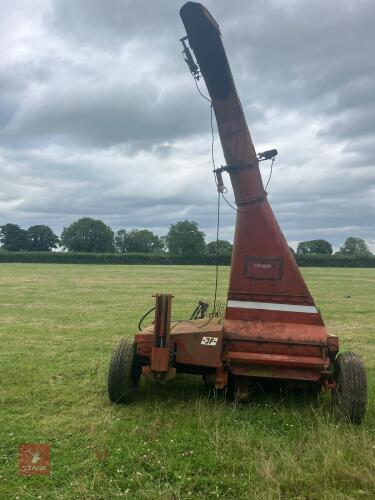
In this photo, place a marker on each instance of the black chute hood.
(205, 40)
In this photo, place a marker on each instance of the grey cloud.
(136, 115)
(358, 123)
(99, 116)
(107, 24)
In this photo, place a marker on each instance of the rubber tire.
(124, 372)
(350, 395)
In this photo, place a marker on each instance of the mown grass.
(58, 326)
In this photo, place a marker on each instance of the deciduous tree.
(314, 246)
(41, 238)
(137, 240)
(88, 235)
(355, 246)
(224, 247)
(13, 238)
(185, 239)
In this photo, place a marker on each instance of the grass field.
(58, 326)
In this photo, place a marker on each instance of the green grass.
(58, 326)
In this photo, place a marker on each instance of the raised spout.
(204, 38)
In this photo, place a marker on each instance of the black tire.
(350, 396)
(124, 372)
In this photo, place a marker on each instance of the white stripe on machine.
(241, 304)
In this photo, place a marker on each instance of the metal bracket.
(193, 66)
(235, 166)
(157, 376)
(162, 328)
(254, 199)
(266, 155)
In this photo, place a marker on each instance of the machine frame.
(272, 329)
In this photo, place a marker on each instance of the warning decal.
(263, 268)
(212, 341)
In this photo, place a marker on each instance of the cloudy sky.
(99, 116)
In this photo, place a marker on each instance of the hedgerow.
(165, 259)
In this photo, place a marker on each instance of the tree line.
(93, 236)
(352, 246)
(184, 239)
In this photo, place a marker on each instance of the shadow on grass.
(187, 389)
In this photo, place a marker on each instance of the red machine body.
(272, 328)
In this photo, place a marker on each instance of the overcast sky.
(100, 117)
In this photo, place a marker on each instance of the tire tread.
(123, 373)
(350, 397)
